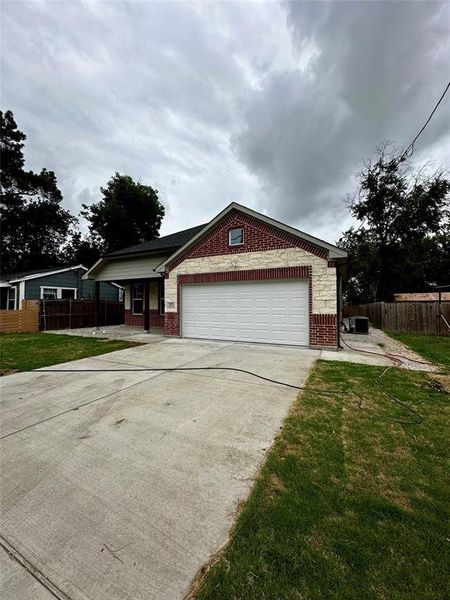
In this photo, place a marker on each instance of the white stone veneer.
(323, 277)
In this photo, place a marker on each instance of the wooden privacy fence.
(25, 320)
(406, 317)
(72, 314)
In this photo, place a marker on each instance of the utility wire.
(410, 149)
(306, 388)
(390, 355)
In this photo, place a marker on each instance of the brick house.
(243, 276)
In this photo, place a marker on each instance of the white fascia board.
(21, 292)
(45, 273)
(334, 251)
(89, 272)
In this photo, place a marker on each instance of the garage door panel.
(266, 311)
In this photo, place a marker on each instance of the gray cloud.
(272, 105)
(374, 71)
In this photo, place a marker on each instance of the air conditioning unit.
(359, 325)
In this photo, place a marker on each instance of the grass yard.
(26, 351)
(353, 501)
(435, 348)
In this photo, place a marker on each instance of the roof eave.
(46, 273)
(140, 253)
(91, 270)
(90, 274)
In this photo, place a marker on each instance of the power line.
(410, 149)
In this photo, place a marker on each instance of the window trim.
(13, 287)
(48, 287)
(161, 299)
(58, 291)
(75, 292)
(229, 236)
(132, 298)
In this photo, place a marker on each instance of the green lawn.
(435, 348)
(25, 351)
(353, 501)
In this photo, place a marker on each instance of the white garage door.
(258, 311)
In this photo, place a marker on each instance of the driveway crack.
(49, 585)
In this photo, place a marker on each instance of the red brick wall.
(247, 275)
(258, 236)
(323, 330)
(156, 320)
(171, 323)
(134, 320)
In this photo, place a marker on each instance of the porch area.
(143, 306)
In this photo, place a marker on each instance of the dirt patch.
(274, 486)
(442, 381)
(8, 372)
(315, 541)
(388, 489)
(402, 355)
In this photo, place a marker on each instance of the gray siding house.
(52, 284)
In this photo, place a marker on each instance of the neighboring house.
(242, 276)
(52, 284)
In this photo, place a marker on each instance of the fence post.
(45, 316)
(70, 313)
(97, 304)
(438, 316)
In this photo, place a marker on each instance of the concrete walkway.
(116, 332)
(121, 485)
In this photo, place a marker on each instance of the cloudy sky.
(273, 105)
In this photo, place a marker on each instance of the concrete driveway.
(121, 485)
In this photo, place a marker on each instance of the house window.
(49, 293)
(12, 298)
(236, 237)
(137, 299)
(58, 293)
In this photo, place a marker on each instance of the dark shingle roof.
(20, 274)
(167, 242)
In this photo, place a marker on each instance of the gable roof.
(167, 242)
(36, 273)
(174, 244)
(333, 251)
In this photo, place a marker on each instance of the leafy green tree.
(81, 249)
(402, 243)
(129, 213)
(34, 224)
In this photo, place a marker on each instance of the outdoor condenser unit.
(359, 325)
